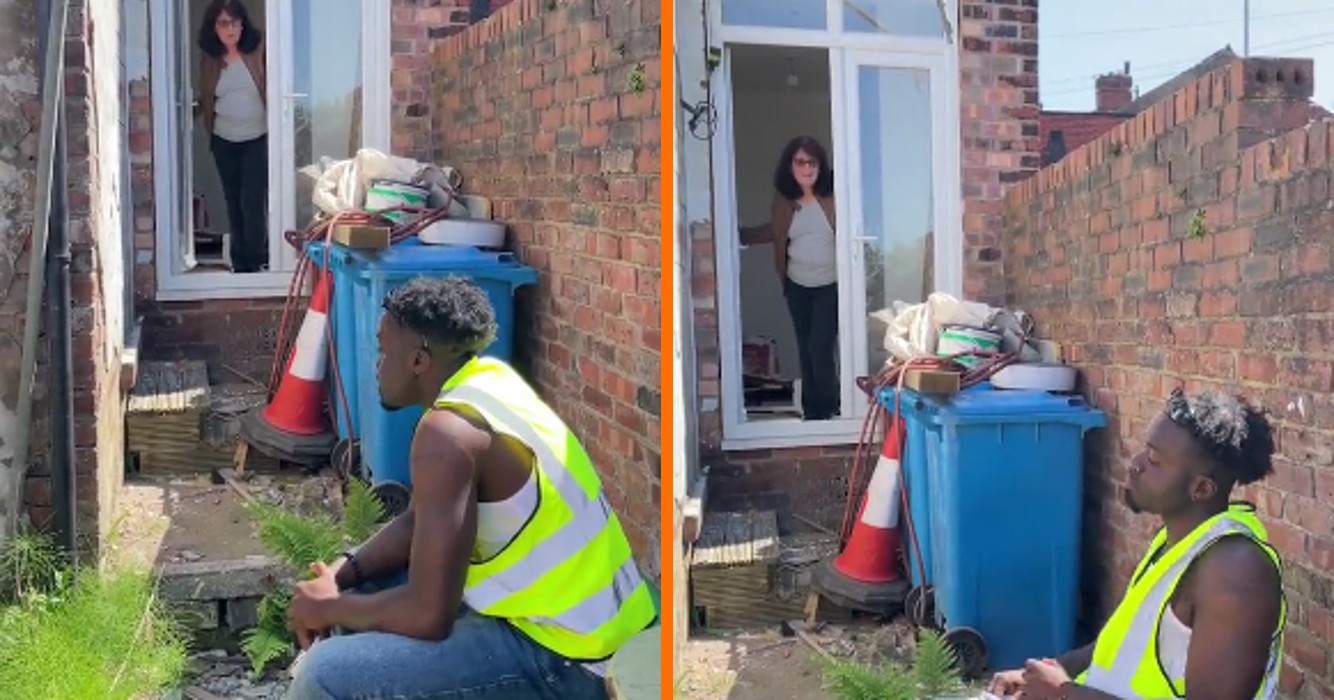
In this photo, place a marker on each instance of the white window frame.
(846, 50)
(176, 285)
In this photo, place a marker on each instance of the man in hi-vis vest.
(1204, 613)
(521, 582)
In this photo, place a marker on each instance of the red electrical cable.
(321, 229)
(893, 375)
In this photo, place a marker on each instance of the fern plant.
(934, 673)
(298, 540)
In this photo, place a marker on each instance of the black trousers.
(815, 319)
(244, 169)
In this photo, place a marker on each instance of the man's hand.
(307, 616)
(1007, 683)
(1044, 679)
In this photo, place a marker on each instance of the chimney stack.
(1115, 90)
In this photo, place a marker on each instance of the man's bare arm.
(384, 554)
(445, 451)
(1237, 595)
(1077, 661)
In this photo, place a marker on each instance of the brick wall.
(1188, 247)
(95, 206)
(551, 109)
(999, 146)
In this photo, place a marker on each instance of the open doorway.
(779, 93)
(232, 138)
(877, 104)
(216, 222)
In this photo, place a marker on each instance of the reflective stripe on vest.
(568, 580)
(1125, 656)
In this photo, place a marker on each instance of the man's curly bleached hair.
(447, 311)
(1236, 435)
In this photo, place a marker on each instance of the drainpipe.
(50, 163)
(60, 344)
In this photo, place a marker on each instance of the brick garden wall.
(1188, 247)
(96, 203)
(551, 110)
(999, 140)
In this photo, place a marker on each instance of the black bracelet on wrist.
(356, 568)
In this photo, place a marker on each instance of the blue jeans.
(483, 657)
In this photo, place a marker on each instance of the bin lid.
(410, 257)
(1010, 406)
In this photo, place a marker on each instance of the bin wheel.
(346, 458)
(970, 650)
(919, 605)
(393, 497)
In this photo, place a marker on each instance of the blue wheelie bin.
(362, 279)
(916, 481)
(1006, 501)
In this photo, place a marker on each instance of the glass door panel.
(893, 194)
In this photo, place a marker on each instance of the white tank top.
(1173, 644)
(499, 522)
(811, 260)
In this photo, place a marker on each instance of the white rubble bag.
(912, 330)
(341, 185)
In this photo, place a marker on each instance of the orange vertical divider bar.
(666, 210)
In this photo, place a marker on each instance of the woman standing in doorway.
(233, 102)
(801, 227)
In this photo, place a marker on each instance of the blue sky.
(1080, 39)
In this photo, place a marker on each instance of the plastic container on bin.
(1006, 478)
(362, 279)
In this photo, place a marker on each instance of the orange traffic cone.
(293, 427)
(298, 405)
(872, 552)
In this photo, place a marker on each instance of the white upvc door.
(899, 187)
(328, 95)
(895, 129)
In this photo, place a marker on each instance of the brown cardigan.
(210, 71)
(781, 213)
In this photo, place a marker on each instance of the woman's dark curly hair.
(787, 185)
(1234, 434)
(208, 30)
(449, 311)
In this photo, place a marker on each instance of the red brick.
(1244, 305)
(598, 251)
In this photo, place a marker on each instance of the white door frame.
(173, 284)
(940, 55)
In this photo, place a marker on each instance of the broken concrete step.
(251, 577)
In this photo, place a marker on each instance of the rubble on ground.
(229, 676)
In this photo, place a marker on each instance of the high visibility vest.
(568, 580)
(1125, 656)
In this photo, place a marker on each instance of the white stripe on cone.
(882, 494)
(309, 361)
